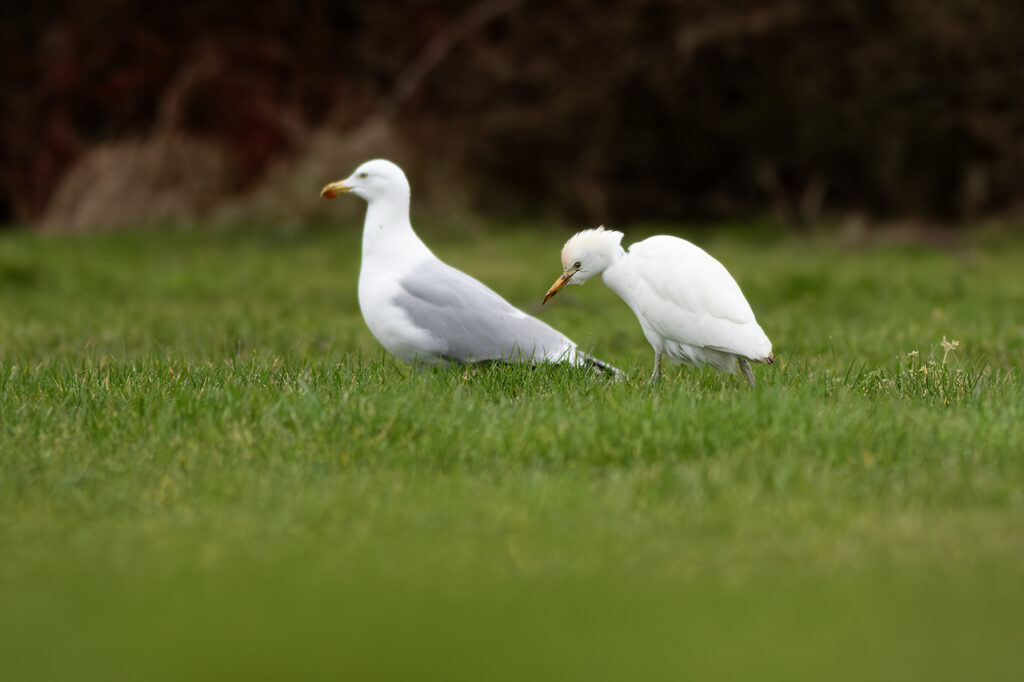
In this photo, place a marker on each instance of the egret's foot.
(745, 366)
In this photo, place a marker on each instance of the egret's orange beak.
(559, 283)
(334, 189)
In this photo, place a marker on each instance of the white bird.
(688, 305)
(424, 311)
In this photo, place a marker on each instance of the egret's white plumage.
(689, 306)
(422, 310)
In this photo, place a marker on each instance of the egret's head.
(374, 181)
(586, 254)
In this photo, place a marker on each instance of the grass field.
(209, 470)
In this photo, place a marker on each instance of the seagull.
(424, 311)
(689, 306)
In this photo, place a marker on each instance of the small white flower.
(948, 346)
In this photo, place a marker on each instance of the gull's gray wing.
(472, 321)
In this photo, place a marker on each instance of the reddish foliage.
(623, 109)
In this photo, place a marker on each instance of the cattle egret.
(688, 305)
(424, 311)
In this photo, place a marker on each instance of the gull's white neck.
(388, 236)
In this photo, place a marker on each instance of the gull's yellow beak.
(559, 283)
(334, 189)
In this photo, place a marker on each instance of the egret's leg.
(657, 366)
(745, 366)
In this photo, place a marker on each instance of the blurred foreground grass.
(209, 470)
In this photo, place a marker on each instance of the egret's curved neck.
(615, 254)
(612, 255)
(610, 273)
(388, 234)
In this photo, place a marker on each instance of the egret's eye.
(363, 176)
(577, 265)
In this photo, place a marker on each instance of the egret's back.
(688, 302)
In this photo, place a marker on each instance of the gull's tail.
(585, 360)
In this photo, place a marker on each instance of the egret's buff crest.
(593, 240)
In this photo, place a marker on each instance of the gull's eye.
(363, 176)
(577, 265)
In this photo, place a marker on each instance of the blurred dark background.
(118, 112)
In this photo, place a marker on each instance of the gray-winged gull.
(424, 311)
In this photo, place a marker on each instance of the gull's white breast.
(378, 289)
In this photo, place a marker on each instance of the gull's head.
(586, 254)
(377, 180)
